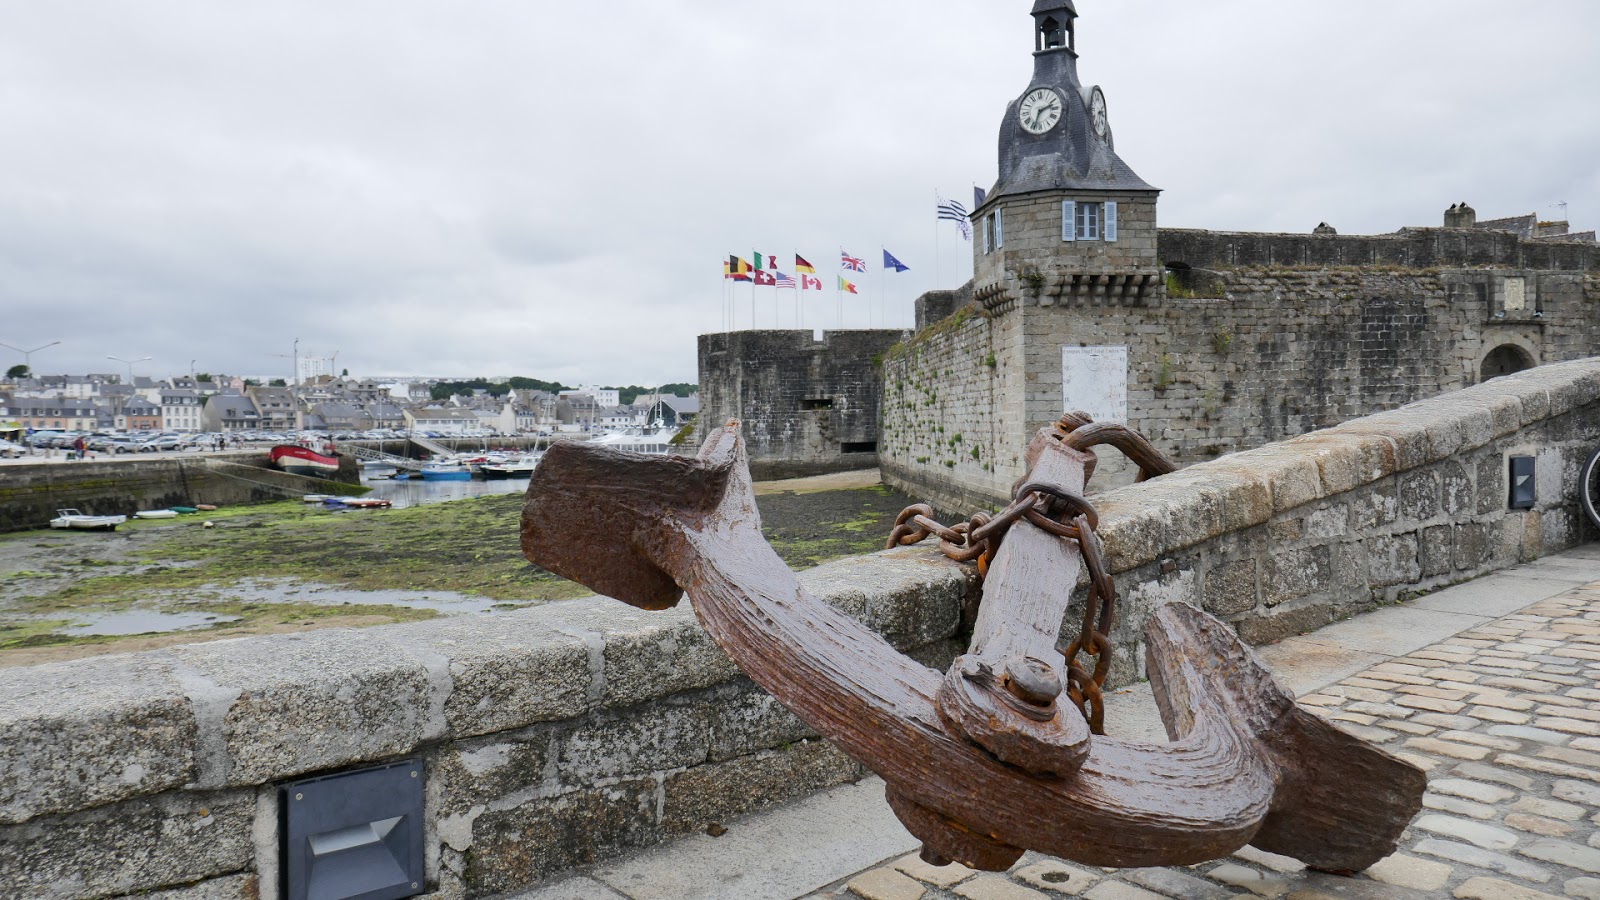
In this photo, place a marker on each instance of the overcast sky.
(470, 187)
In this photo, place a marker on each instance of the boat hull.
(453, 475)
(300, 461)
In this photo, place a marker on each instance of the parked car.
(10, 450)
(113, 444)
(164, 442)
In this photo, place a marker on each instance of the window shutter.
(999, 229)
(1111, 220)
(1069, 220)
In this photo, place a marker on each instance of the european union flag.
(889, 262)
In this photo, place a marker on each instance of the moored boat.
(446, 471)
(521, 467)
(155, 514)
(365, 503)
(301, 461)
(77, 521)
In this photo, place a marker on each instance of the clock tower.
(1068, 222)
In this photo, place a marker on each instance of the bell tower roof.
(1057, 134)
(1041, 7)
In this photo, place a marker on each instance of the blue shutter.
(1111, 220)
(1069, 220)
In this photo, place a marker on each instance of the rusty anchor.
(1004, 752)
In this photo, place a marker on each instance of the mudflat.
(291, 566)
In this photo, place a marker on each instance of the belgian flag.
(736, 268)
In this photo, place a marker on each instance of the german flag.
(801, 265)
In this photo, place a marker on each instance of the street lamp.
(129, 363)
(27, 355)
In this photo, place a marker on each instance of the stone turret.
(1461, 216)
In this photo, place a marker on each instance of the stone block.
(129, 847)
(1284, 622)
(1374, 507)
(1394, 559)
(513, 848)
(746, 719)
(1458, 489)
(1291, 574)
(1293, 478)
(506, 672)
(86, 733)
(1407, 438)
(1341, 458)
(666, 654)
(1437, 550)
(304, 703)
(720, 791)
(907, 600)
(1472, 547)
(1420, 496)
(482, 771)
(642, 740)
(1230, 588)
(232, 887)
(1493, 485)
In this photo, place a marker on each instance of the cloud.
(486, 188)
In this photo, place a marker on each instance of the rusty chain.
(1066, 516)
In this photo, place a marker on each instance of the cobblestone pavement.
(1505, 718)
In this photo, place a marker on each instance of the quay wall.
(31, 494)
(562, 735)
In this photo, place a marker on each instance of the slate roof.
(1040, 7)
(1524, 227)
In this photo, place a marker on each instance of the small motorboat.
(519, 468)
(446, 471)
(156, 514)
(185, 510)
(77, 521)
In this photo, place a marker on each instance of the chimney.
(1461, 216)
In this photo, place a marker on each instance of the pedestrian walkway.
(1492, 687)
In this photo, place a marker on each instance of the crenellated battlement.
(1409, 248)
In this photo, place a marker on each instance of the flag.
(955, 212)
(765, 262)
(784, 281)
(889, 262)
(846, 286)
(803, 267)
(810, 283)
(849, 263)
(979, 196)
(765, 279)
(736, 269)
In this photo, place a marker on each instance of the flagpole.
(883, 306)
(937, 260)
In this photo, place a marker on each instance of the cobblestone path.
(1505, 718)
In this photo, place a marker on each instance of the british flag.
(850, 263)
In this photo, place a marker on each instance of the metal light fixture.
(354, 835)
(1524, 482)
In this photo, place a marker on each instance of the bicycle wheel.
(1589, 488)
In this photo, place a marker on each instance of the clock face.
(1041, 110)
(1097, 114)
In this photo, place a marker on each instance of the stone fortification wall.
(560, 735)
(1410, 248)
(550, 738)
(1233, 358)
(807, 406)
(30, 495)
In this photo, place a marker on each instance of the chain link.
(1068, 517)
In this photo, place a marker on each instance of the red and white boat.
(300, 461)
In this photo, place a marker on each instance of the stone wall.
(807, 406)
(1233, 358)
(1410, 248)
(30, 495)
(561, 735)
(551, 738)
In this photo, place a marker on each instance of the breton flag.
(765, 279)
(736, 269)
(850, 263)
(803, 267)
(955, 212)
(846, 286)
(889, 262)
(784, 281)
(810, 283)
